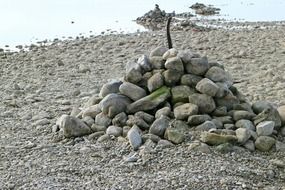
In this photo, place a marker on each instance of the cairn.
(176, 96)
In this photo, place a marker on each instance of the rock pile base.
(172, 96)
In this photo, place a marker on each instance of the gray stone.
(134, 137)
(175, 135)
(91, 111)
(243, 106)
(174, 63)
(282, 131)
(155, 82)
(194, 120)
(206, 86)
(132, 91)
(229, 126)
(264, 143)
(205, 103)
(102, 119)
(103, 138)
(152, 137)
(225, 119)
(220, 111)
(126, 130)
(199, 146)
(170, 53)
(96, 128)
(216, 139)
(218, 123)
(181, 93)
(225, 148)
(144, 63)
(120, 119)
(145, 116)
(110, 87)
(228, 101)
(166, 111)
(114, 131)
(114, 104)
(157, 62)
(197, 66)
(280, 146)
(243, 135)
(241, 114)
(96, 135)
(249, 145)
(76, 112)
(133, 76)
(217, 74)
(243, 123)
(260, 106)
(93, 100)
(171, 77)
(88, 120)
(73, 127)
(164, 144)
(206, 126)
(265, 128)
(151, 101)
(270, 114)
(133, 120)
(281, 111)
(158, 51)
(190, 80)
(183, 111)
(159, 126)
(186, 56)
(223, 90)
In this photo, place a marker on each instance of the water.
(27, 21)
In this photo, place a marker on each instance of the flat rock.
(216, 139)
(132, 91)
(183, 111)
(91, 111)
(151, 101)
(194, 120)
(205, 103)
(241, 114)
(73, 127)
(264, 143)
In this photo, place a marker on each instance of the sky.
(25, 21)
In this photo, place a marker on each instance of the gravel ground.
(40, 85)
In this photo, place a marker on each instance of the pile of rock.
(174, 96)
(202, 9)
(154, 19)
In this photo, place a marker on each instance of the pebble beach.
(40, 85)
